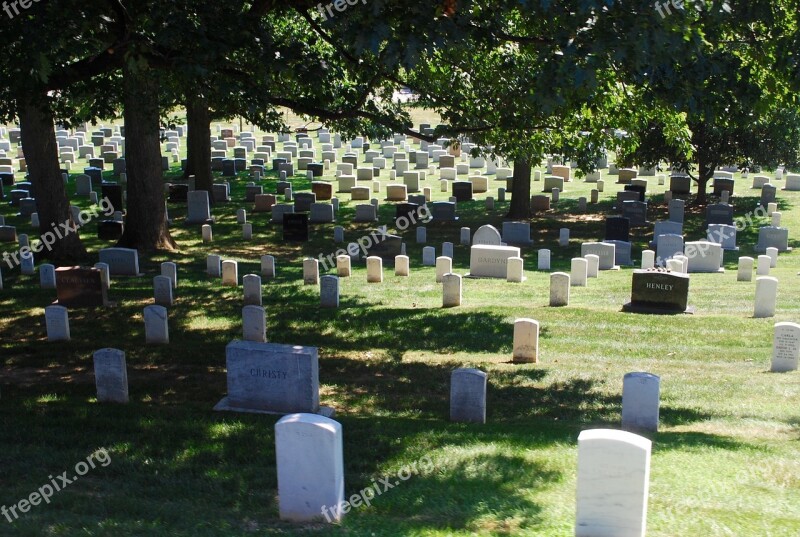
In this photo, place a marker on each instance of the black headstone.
(641, 190)
(719, 213)
(659, 291)
(276, 163)
(462, 191)
(228, 167)
(618, 228)
(7, 178)
(178, 193)
(316, 169)
(78, 287)
(96, 174)
(113, 192)
(386, 246)
(109, 230)
(295, 227)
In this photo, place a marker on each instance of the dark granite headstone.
(178, 193)
(78, 287)
(719, 213)
(276, 163)
(229, 167)
(409, 211)
(109, 230)
(316, 169)
(323, 190)
(113, 192)
(281, 187)
(723, 184)
(303, 201)
(636, 211)
(443, 211)
(462, 191)
(96, 174)
(387, 247)
(680, 184)
(641, 190)
(618, 228)
(295, 227)
(659, 291)
(7, 179)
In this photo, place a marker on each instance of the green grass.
(726, 460)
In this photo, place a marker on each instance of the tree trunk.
(52, 203)
(198, 143)
(146, 223)
(704, 174)
(520, 208)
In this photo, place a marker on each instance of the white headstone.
(230, 273)
(310, 467)
(47, 276)
(766, 297)
(526, 341)
(640, 402)
(544, 259)
(785, 347)
(162, 291)
(329, 290)
(374, 269)
(559, 289)
(214, 266)
(648, 259)
(254, 324)
(764, 264)
(613, 484)
(252, 290)
(745, 272)
(773, 257)
(468, 395)
(156, 325)
(515, 270)
(444, 265)
(451, 290)
(465, 237)
(428, 256)
(401, 265)
(579, 272)
(563, 237)
(170, 270)
(57, 323)
(111, 376)
(592, 265)
(310, 272)
(267, 267)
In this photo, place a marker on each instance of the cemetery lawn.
(726, 460)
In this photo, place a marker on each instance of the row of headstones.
(641, 391)
(612, 485)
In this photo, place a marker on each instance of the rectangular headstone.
(468, 395)
(613, 484)
(295, 227)
(78, 287)
(121, 261)
(111, 376)
(271, 378)
(655, 291)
